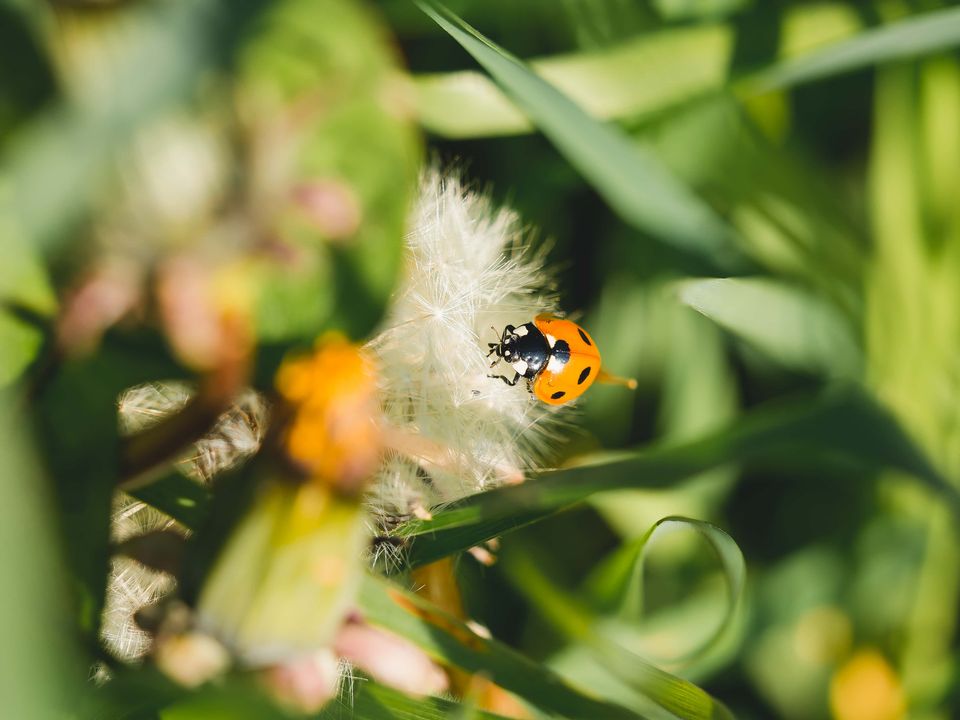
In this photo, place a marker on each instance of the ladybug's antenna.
(610, 379)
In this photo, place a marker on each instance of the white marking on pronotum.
(520, 366)
(521, 331)
(551, 340)
(555, 364)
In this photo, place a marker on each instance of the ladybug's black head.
(505, 349)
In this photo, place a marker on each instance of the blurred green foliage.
(753, 204)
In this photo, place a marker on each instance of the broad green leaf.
(628, 176)
(450, 641)
(843, 425)
(786, 323)
(264, 590)
(910, 37)
(677, 696)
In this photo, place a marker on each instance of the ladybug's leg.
(511, 383)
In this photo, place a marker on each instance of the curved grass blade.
(677, 696)
(911, 37)
(624, 572)
(450, 641)
(843, 424)
(636, 185)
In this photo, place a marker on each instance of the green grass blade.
(843, 424)
(624, 571)
(677, 696)
(450, 641)
(786, 323)
(636, 185)
(911, 37)
(624, 81)
(371, 701)
(637, 78)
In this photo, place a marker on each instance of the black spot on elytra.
(557, 395)
(584, 336)
(561, 351)
(583, 375)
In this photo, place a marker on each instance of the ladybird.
(558, 358)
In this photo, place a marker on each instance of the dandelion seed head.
(469, 269)
(235, 436)
(130, 585)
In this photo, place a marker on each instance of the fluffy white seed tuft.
(469, 273)
(236, 435)
(130, 585)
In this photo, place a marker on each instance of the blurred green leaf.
(843, 424)
(371, 701)
(345, 163)
(57, 164)
(654, 337)
(923, 34)
(450, 641)
(24, 289)
(77, 429)
(637, 78)
(19, 344)
(788, 324)
(628, 176)
(40, 670)
(623, 81)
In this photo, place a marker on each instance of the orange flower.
(333, 432)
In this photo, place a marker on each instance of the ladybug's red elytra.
(558, 358)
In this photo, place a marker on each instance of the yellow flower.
(866, 688)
